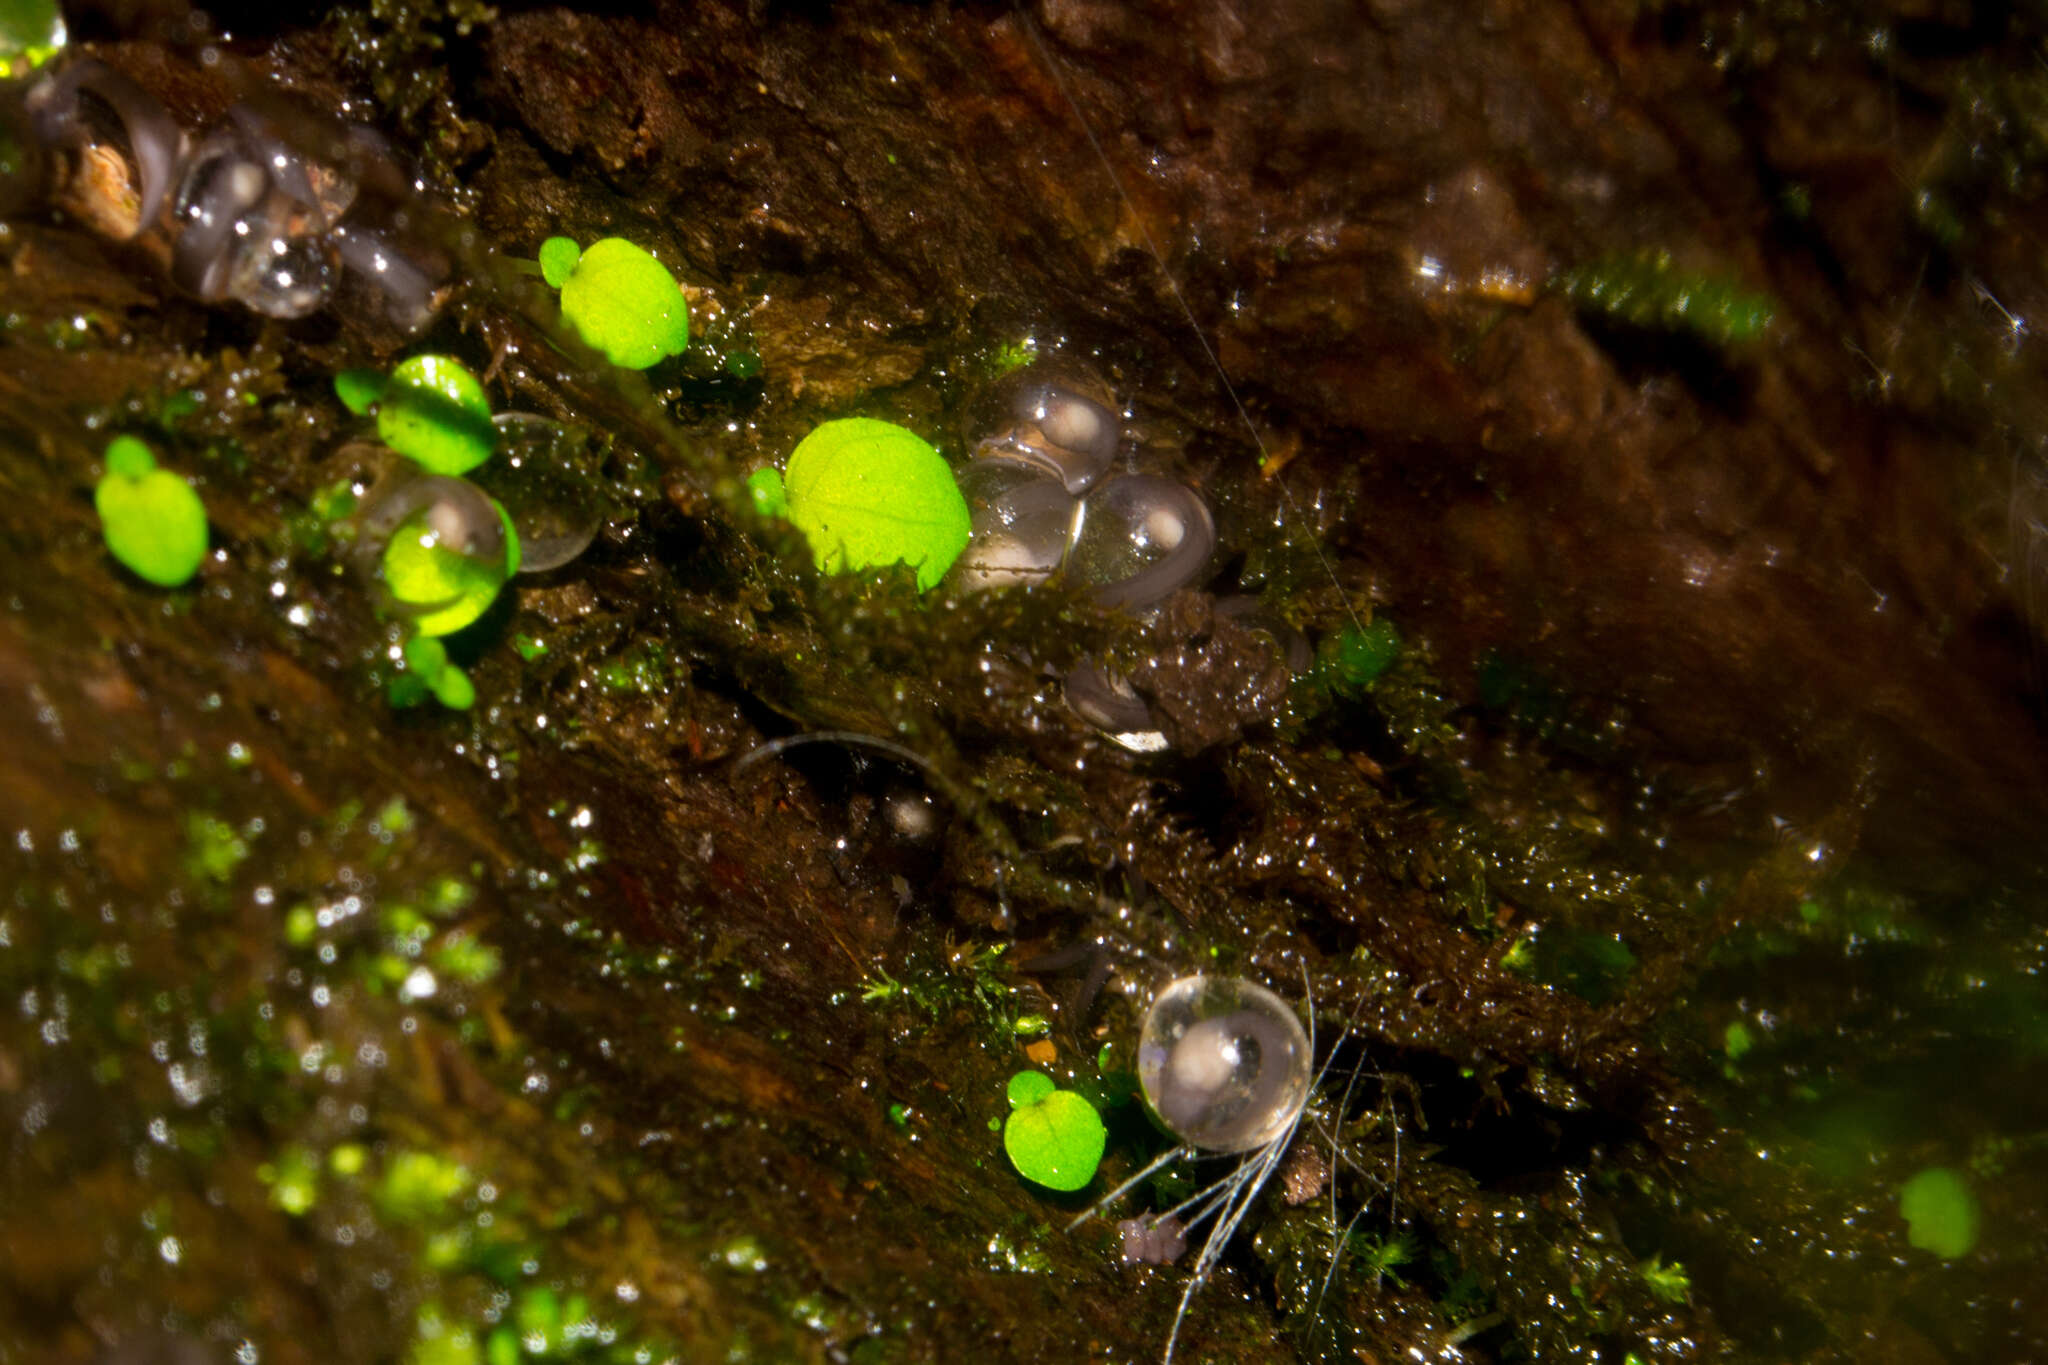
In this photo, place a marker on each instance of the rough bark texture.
(1665, 373)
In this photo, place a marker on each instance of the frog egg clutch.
(236, 212)
(1225, 1067)
(1041, 504)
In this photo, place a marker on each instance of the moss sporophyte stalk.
(867, 494)
(153, 522)
(620, 300)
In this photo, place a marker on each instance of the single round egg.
(1223, 1063)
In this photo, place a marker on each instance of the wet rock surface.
(1666, 374)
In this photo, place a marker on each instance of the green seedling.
(360, 390)
(430, 674)
(620, 300)
(430, 409)
(1940, 1212)
(868, 494)
(1053, 1137)
(445, 587)
(152, 520)
(764, 486)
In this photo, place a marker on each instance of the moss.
(214, 849)
(1649, 291)
(1668, 1282)
(294, 1180)
(1355, 657)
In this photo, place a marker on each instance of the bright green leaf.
(152, 520)
(435, 412)
(360, 390)
(425, 655)
(453, 689)
(764, 486)
(1029, 1087)
(623, 302)
(868, 494)
(1055, 1140)
(129, 457)
(558, 258)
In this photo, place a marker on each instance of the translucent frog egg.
(241, 237)
(546, 478)
(1055, 416)
(1223, 1063)
(440, 548)
(1144, 539)
(1020, 525)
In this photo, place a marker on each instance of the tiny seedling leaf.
(435, 413)
(621, 301)
(152, 520)
(1053, 1137)
(867, 494)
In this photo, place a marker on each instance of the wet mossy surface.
(1648, 446)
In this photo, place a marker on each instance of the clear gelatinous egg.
(546, 478)
(439, 546)
(239, 236)
(282, 277)
(1057, 417)
(1144, 539)
(1020, 526)
(1223, 1063)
